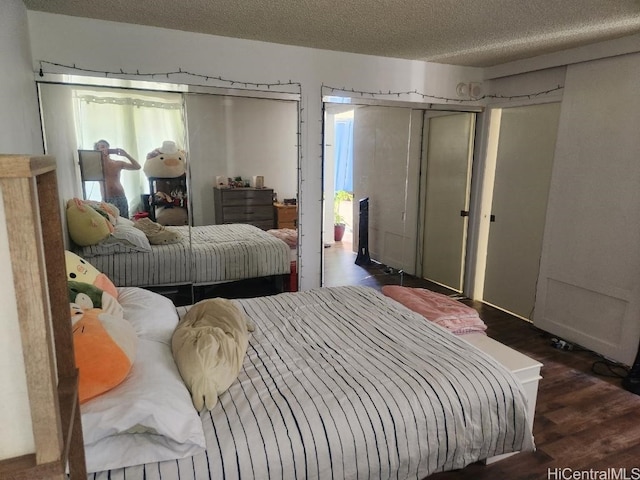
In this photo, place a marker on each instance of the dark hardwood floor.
(584, 419)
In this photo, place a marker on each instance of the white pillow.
(124, 221)
(147, 418)
(153, 316)
(123, 239)
(129, 236)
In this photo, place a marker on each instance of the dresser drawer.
(233, 197)
(247, 213)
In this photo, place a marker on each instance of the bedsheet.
(343, 382)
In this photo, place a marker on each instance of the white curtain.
(137, 121)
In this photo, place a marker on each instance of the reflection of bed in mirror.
(204, 255)
(290, 237)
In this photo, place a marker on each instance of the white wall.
(240, 136)
(19, 133)
(107, 46)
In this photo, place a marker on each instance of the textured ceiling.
(477, 33)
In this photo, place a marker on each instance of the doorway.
(343, 179)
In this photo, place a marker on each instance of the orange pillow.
(104, 347)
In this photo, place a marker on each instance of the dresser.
(244, 205)
(286, 215)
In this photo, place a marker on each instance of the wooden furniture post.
(34, 229)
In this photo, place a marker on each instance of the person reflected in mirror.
(112, 189)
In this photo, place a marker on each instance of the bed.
(204, 255)
(339, 382)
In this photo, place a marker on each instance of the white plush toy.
(168, 161)
(209, 345)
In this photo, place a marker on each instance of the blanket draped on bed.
(343, 383)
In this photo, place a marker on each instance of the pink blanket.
(438, 308)
(288, 235)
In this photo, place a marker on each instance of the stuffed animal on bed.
(104, 347)
(86, 226)
(157, 234)
(209, 345)
(166, 161)
(89, 296)
(79, 270)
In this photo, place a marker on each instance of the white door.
(449, 153)
(589, 287)
(526, 144)
(386, 165)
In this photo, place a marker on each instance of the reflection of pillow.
(156, 233)
(171, 216)
(107, 210)
(124, 221)
(152, 399)
(104, 347)
(129, 237)
(287, 235)
(86, 226)
(209, 346)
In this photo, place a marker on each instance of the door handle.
(464, 213)
(492, 218)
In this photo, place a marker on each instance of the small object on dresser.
(290, 201)
(221, 182)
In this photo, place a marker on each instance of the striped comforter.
(206, 254)
(346, 383)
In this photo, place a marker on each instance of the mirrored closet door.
(402, 158)
(228, 140)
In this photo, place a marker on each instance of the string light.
(413, 93)
(279, 83)
(169, 74)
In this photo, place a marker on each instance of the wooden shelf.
(32, 209)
